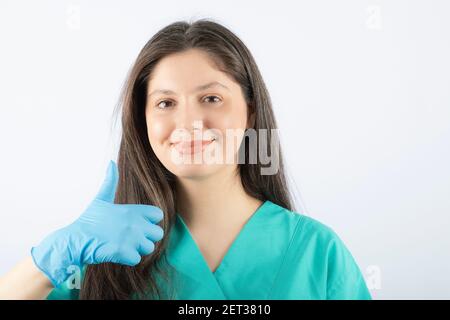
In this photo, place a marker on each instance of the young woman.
(166, 227)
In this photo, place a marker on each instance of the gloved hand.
(105, 232)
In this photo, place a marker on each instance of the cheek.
(158, 131)
(226, 123)
(233, 118)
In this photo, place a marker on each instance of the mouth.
(191, 147)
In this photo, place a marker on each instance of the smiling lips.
(190, 147)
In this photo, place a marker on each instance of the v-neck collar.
(185, 255)
(255, 215)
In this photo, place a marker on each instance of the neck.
(216, 201)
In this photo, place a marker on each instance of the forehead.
(186, 69)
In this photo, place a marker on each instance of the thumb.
(108, 189)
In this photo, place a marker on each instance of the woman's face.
(195, 114)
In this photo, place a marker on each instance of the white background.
(361, 92)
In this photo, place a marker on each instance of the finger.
(145, 247)
(108, 189)
(131, 258)
(154, 214)
(151, 213)
(153, 232)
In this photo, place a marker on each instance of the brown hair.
(142, 177)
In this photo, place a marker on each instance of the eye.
(216, 99)
(163, 104)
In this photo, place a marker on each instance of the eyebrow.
(199, 88)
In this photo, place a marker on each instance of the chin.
(194, 171)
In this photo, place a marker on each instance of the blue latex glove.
(105, 232)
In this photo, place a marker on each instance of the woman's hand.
(105, 232)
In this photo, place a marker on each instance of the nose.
(190, 117)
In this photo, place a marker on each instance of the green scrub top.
(278, 254)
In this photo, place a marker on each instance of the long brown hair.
(142, 177)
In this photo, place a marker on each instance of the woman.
(166, 226)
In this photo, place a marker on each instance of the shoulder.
(306, 234)
(315, 248)
(305, 228)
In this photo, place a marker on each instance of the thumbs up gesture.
(105, 232)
